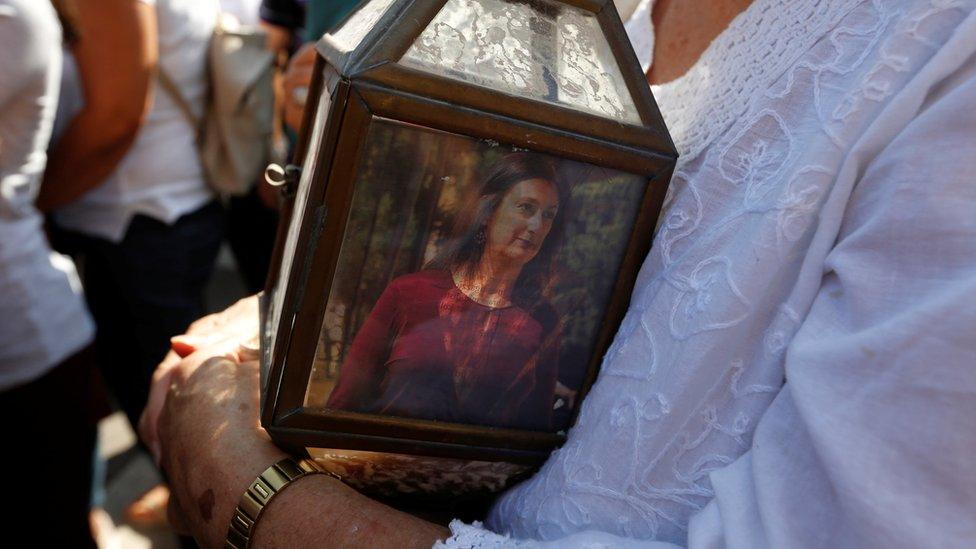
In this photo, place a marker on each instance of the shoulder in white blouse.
(797, 365)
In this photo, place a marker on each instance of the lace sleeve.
(476, 536)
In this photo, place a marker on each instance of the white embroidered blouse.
(798, 364)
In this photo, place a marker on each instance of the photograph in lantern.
(472, 281)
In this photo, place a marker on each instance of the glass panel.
(472, 280)
(542, 50)
(354, 30)
(295, 224)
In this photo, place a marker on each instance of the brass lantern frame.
(368, 83)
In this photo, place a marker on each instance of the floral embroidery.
(695, 309)
(756, 155)
(700, 355)
(633, 356)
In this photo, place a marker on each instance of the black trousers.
(49, 441)
(251, 230)
(144, 290)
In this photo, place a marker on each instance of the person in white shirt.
(796, 365)
(130, 199)
(50, 397)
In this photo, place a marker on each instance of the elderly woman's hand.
(212, 444)
(231, 333)
(213, 447)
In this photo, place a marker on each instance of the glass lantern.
(479, 183)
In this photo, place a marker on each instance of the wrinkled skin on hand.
(204, 428)
(212, 444)
(222, 333)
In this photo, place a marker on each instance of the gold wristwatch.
(274, 479)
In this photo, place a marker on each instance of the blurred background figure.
(252, 218)
(49, 389)
(126, 187)
(126, 196)
(294, 26)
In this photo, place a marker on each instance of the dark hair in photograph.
(464, 248)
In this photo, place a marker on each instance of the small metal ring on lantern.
(274, 174)
(285, 178)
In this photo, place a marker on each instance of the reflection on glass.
(392, 475)
(537, 49)
(471, 281)
(291, 238)
(348, 37)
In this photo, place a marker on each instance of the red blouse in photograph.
(428, 351)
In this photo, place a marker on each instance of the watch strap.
(259, 493)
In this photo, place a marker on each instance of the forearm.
(313, 511)
(86, 155)
(116, 60)
(319, 511)
(213, 448)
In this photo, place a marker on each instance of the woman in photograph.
(471, 338)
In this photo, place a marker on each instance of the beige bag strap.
(174, 93)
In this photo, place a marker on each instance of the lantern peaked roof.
(562, 64)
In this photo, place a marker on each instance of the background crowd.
(110, 222)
